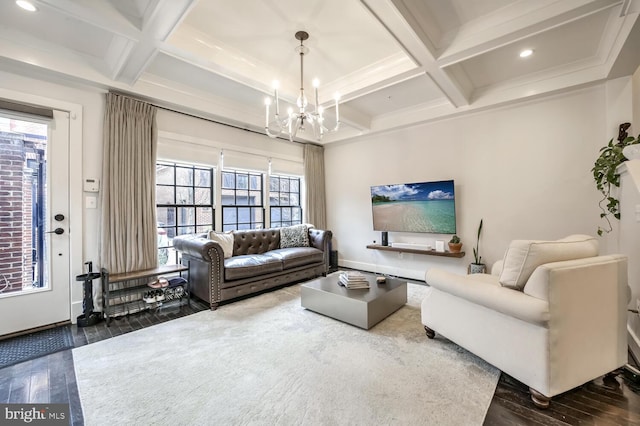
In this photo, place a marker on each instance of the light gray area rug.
(267, 361)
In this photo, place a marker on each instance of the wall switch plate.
(90, 202)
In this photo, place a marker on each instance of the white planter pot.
(477, 268)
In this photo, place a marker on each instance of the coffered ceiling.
(394, 62)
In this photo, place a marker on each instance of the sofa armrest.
(198, 247)
(321, 239)
(540, 282)
(587, 316)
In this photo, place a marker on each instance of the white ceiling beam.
(401, 24)
(161, 22)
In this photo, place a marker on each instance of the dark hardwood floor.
(51, 379)
(603, 401)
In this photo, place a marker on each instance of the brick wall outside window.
(18, 181)
(11, 208)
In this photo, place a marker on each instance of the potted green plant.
(455, 245)
(606, 175)
(477, 267)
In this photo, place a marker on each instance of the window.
(184, 203)
(242, 196)
(284, 200)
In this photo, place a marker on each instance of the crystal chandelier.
(297, 122)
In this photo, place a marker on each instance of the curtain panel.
(129, 230)
(315, 200)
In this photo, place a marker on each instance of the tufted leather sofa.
(258, 263)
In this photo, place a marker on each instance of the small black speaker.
(385, 238)
(333, 260)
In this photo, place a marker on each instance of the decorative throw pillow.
(524, 256)
(225, 239)
(294, 236)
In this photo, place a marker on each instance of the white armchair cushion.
(524, 256)
(484, 290)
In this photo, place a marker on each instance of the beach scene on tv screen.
(414, 207)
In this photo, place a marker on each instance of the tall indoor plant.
(477, 267)
(606, 175)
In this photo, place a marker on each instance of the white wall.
(217, 135)
(635, 123)
(524, 169)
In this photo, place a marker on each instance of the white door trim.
(75, 184)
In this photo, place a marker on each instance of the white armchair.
(552, 314)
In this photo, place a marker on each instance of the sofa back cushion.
(225, 239)
(255, 241)
(524, 256)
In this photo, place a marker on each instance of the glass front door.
(34, 243)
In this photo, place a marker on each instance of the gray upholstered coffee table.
(360, 307)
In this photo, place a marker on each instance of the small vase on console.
(455, 245)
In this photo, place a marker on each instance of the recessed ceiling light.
(26, 5)
(525, 53)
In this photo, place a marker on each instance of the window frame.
(237, 224)
(282, 207)
(190, 228)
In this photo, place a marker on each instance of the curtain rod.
(205, 118)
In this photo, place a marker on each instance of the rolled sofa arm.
(198, 246)
(321, 239)
(206, 265)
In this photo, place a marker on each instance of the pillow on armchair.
(524, 256)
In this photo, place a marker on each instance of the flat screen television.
(415, 207)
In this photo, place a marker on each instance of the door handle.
(57, 231)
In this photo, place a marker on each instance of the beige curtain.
(315, 200)
(128, 233)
